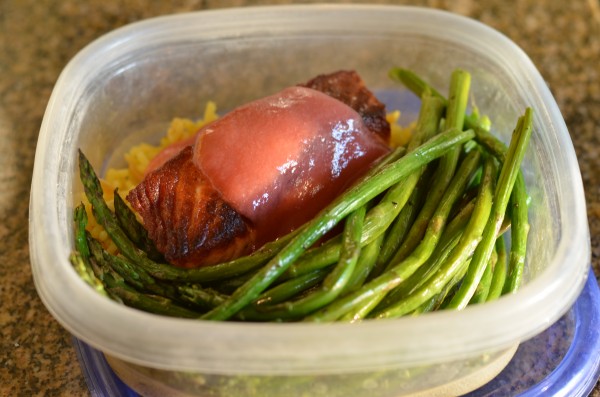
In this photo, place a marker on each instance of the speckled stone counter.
(37, 39)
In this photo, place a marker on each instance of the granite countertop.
(37, 39)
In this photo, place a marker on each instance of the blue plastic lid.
(561, 361)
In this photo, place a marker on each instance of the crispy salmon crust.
(186, 217)
(348, 87)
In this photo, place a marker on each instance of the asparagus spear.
(519, 232)
(413, 82)
(204, 298)
(133, 229)
(450, 289)
(149, 303)
(207, 298)
(290, 288)
(85, 271)
(517, 206)
(401, 225)
(483, 287)
(80, 259)
(314, 259)
(132, 275)
(499, 275)
(366, 262)
(359, 312)
(80, 220)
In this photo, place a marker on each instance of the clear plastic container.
(126, 86)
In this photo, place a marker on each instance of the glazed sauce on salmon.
(281, 159)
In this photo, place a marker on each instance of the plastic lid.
(562, 361)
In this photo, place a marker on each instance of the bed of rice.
(138, 158)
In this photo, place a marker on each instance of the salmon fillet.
(194, 209)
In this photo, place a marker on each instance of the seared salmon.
(261, 170)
